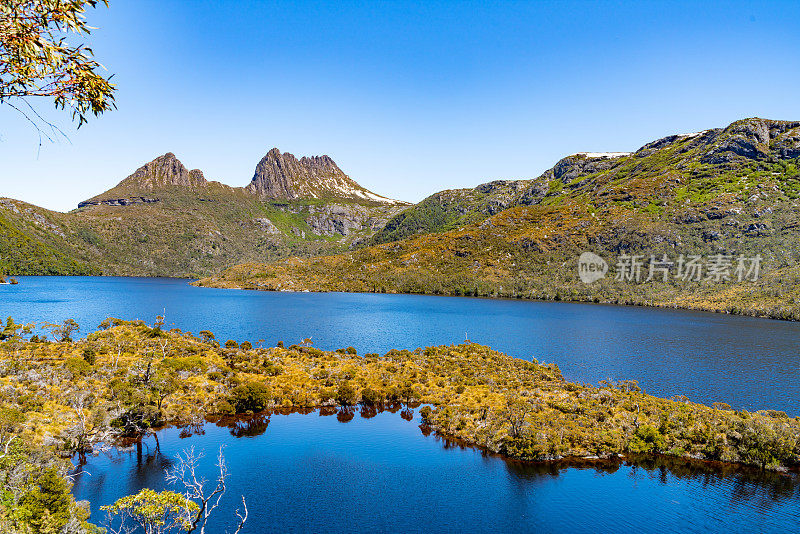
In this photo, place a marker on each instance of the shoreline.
(565, 300)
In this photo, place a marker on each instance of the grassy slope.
(691, 195)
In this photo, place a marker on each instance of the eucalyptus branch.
(37, 60)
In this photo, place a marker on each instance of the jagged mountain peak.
(278, 176)
(283, 176)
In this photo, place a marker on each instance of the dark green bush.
(89, 356)
(251, 397)
(425, 413)
(370, 397)
(346, 394)
(77, 366)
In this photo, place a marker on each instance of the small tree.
(251, 397)
(13, 330)
(163, 384)
(370, 397)
(89, 356)
(47, 505)
(63, 332)
(515, 412)
(346, 395)
(206, 335)
(10, 421)
(200, 502)
(152, 512)
(13, 335)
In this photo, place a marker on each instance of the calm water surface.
(748, 363)
(307, 473)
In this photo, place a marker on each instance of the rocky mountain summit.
(278, 176)
(723, 190)
(164, 171)
(282, 176)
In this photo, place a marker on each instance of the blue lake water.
(746, 362)
(348, 473)
(307, 473)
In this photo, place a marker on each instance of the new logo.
(591, 267)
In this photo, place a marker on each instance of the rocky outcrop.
(338, 219)
(501, 194)
(282, 176)
(163, 174)
(535, 192)
(117, 202)
(756, 139)
(571, 167)
(691, 140)
(278, 176)
(273, 176)
(266, 225)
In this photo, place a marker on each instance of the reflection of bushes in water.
(448, 443)
(192, 429)
(526, 470)
(368, 412)
(150, 461)
(246, 426)
(744, 484)
(302, 410)
(346, 414)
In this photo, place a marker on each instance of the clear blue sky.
(408, 98)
